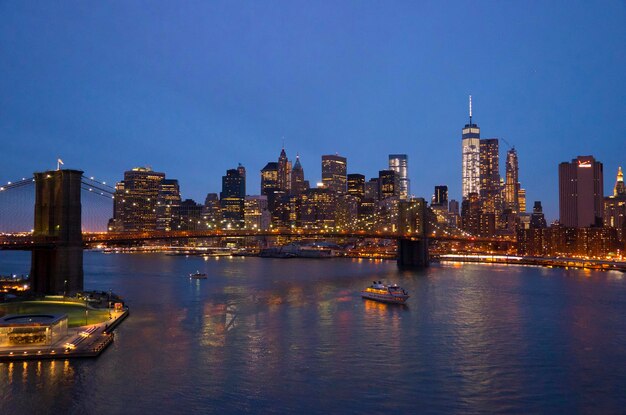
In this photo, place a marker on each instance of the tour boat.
(198, 276)
(385, 293)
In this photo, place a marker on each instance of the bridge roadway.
(28, 242)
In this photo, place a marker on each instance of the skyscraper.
(284, 172)
(511, 185)
(356, 185)
(232, 197)
(269, 178)
(136, 200)
(581, 192)
(334, 168)
(298, 184)
(168, 205)
(441, 196)
(388, 184)
(471, 156)
(400, 164)
(489, 168)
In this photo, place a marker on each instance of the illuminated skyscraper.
(284, 172)
(521, 197)
(388, 184)
(136, 200)
(168, 205)
(356, 185)
(232, 197)
(489, 168)
(619, 189)
(471, 156)
(269, 178)
(400, 164)
(581, 192)
(512, 186)
(334, 168)
(298, 184)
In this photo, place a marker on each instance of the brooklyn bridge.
(64, 199)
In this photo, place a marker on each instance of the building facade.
(581, 193)
(334, 173)
(400, 164)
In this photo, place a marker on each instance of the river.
(294, 336)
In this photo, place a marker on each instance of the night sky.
(193, 88)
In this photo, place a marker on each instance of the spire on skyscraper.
(470, 109)
(619, 188)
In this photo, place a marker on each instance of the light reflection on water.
(265, 335)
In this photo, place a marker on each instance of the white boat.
(198, 276)
(385, 293)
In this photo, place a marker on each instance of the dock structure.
(81, 342)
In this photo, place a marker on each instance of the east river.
(294, 336)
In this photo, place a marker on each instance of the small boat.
(198, 276)
(385, 293)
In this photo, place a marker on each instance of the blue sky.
(193, 88)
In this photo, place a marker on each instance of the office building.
(168, 205)
(581, 192)
(471, 156)
(388, 184)
(284, 172)
(269, 178)
(136, 200)
(511, 184)
(356, 185)
(440, 198)
(334, 168)
(400, 164)
(298, 184)
(232, 197)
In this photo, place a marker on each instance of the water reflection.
(295, 336)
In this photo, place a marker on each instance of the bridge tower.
(413, 250)
(58, 268)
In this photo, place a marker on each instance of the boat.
(385, 293)
(198, 276)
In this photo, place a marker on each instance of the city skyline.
(202, 98)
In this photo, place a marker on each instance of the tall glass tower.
(400, 164)
(471, 156)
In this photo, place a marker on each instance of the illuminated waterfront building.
(471, 156)
(346, 211)
(356, 185)
(512, 186)
(256, 213)
(581, 194)
(388, 184)
(168, 204)
(136, 200)
(190, 214)
(212, 211)
(400, 164)
(470, 214)
(317, 209)
(232, 197)
(334, 168)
